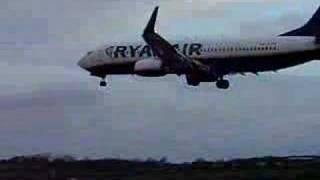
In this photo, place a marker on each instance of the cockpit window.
(90, 52)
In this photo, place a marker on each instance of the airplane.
(205, 60)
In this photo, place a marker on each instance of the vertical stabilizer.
(311, 28)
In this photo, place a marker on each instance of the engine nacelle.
(149, 68)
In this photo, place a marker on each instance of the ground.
(40, 167)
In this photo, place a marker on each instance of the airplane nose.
(83, 63)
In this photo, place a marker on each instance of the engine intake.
(149, 68)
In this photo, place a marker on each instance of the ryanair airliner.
(204, 60)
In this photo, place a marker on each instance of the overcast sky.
(48, 104)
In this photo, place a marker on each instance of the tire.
(192, 81)
(103, 84)
(223, 84)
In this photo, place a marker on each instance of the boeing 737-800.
(205, 60)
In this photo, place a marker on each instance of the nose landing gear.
(103, 82)
(222, 83)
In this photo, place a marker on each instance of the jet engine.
(149, 68)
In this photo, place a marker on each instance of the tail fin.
(312, 28)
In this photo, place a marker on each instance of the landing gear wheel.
(103, 83)
(192, 82)
(223, 84)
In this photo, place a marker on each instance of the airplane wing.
(166, 52)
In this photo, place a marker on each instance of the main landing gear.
(103, 82)
(222, 83)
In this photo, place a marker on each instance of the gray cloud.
(59, 32)
(271, 115)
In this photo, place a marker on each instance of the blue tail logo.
(311, 28)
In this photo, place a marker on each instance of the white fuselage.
(304, 48)
(209, 50)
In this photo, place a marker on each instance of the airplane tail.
(311, 28)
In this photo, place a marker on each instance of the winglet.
(152, 22)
